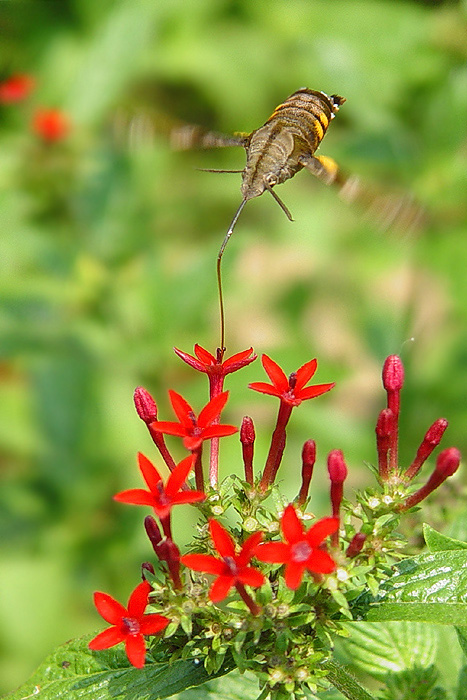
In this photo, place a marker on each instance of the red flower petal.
(188, 497)
(251, 577)
(221, 538)
(182, 409)
(220, 588)
(273, 552)
(212, 410)
(239, 360)
(204, 356)
(110, 609)
(179, 475)
(106, 639)
(320, 562)
(136, 497)
(219, 431)
(304, 374)
(203, 562)
(291, 525)
(248, 549)
(150, 473)
(169, 427)
(265, 388)
(153, 624)
(320, 530)
(139, 599)
(135, 648)
(275, 374)
(293, 575)
(190, 360)
(312, 391)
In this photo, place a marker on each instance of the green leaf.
(462, 686)
(462, 637)
(429, 588)
(437, 542)
(234, 686)
(345, 682)
(73, 671)
(395, 646)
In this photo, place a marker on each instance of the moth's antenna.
(219, 275)
(279, 201)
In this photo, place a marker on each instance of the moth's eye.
(271, 180)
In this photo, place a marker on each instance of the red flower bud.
(145, 405)
(383, 430)
(393, 373)
(432, 438)
(448, 462)
(247, 438)
(308, 463)
(356, 545)
(337, 467)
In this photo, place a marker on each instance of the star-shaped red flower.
(129, 624)
(231, 569)
(161, 498)
(194, 430)
(290, 390)
(301, 551)
(206, 362)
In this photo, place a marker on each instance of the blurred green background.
(107, 256)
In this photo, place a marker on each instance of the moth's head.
(336, 102)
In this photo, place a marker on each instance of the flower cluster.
(287, 575)
(50, 125)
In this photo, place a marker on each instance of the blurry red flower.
(301, 551)
(231, 569)
(290, 390)
(16, 88)
(194, 430)
(205, 362)
(161, 498)
(128, 624)
(51, 125)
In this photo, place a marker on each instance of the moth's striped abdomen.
(307, 113)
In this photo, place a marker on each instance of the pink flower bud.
(145, 405)
(393, 373)
(336, 467)
(432, 438)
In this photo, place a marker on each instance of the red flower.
(292, 390)
(302, 549)
(231, 569)
(16, 88)
(161, 498)
(51, 125)
(128, 624)
(194, 430)
(205, 362)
